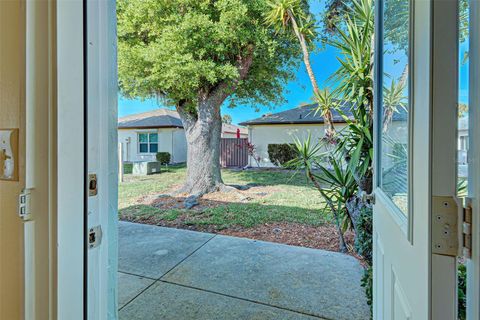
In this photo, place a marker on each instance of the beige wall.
(12, 110)
(263, 135)
(170, 140)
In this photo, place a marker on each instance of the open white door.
(101, 153)
(415, 214)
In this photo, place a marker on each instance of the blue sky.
(324, 63)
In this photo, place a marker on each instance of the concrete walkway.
(177, 274)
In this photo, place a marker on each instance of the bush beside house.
(280, 154)
(163, 157)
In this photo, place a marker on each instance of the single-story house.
(300, 122)
(142, 135)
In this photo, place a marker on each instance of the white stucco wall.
(179, 146)
(170, 140)
(263, 135)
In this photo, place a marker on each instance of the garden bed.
(274, 205)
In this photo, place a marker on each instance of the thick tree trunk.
(203, 134)
(203, 130)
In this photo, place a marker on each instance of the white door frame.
(473, 265)
(70, 164)
(444, 75)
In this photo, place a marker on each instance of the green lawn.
(292, 200)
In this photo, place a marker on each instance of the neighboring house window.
(148, 142)
(464, 143)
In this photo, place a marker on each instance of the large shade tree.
(197, 54)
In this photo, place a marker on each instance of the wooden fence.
(234, 152)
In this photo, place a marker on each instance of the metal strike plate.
(92, 185)
(9, 154)
(445, 231)
(94, 237)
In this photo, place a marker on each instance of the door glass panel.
(394, 131)
(463, 138)
(462, 133)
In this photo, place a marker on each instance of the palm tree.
(291, 15)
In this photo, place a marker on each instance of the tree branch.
(188, 118)
(222, 90)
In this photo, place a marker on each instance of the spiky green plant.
(393, 99)
(355, 45)
(331, 178)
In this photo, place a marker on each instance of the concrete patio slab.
(315, 282)
(151, 251)
(129, 286)
(172, 302)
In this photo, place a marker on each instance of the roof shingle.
(306, 115)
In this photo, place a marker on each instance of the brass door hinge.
(465, 229)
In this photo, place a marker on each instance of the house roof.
(163, 118)
(306, 115)
(159, 118)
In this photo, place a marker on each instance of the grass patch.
(289, 199)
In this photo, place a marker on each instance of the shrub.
(127, 168)
(163, 157)
(363, 235)
(367, 283)
(280, 154)
(462, 291)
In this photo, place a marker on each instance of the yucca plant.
(331, 178)
(393, 99)
(355, 45)
(356, 146)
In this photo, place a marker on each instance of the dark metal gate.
(234, 152)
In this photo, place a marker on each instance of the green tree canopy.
(178, 49)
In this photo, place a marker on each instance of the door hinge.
(24, 207)
(94, 237)
(465, 229)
